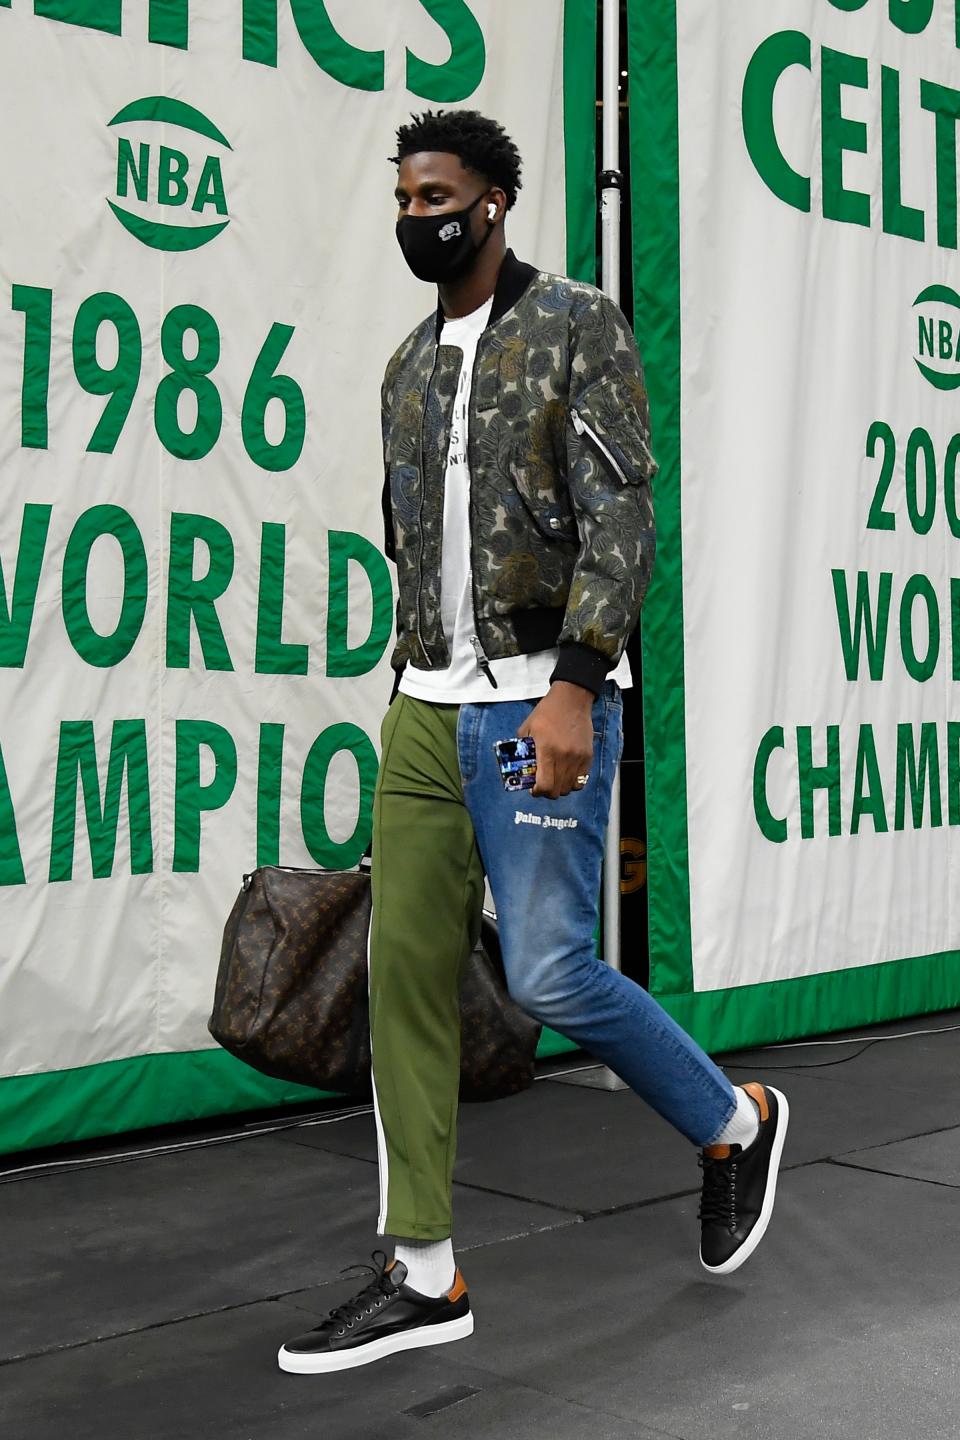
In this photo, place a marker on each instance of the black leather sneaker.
(385, 1317)
(739, 1187)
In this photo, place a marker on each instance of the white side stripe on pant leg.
(381, 1139)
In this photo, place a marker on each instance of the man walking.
(518, 510)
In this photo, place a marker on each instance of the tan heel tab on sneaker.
(459, 1288)
(717, 1152)
(756, 1092)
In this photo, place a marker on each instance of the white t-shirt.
(519, 677)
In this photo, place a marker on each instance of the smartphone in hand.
(517, 761)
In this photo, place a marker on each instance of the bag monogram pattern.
(291, 991)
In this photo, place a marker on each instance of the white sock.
(744, 1124)
(431, 1268)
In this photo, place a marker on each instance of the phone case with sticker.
(517, 761)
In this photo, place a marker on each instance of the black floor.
(146, 1298)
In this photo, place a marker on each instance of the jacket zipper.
(426, 395)
(582, 428)
(483, 664)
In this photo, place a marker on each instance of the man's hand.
(562, 729)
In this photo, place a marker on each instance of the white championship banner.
(808, 610)
(199, 290)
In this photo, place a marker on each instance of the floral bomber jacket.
(561, 514)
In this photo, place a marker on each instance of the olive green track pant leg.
(427, 902)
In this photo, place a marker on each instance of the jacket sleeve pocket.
(612, 421)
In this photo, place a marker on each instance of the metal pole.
(610, 179)
(603, 1078)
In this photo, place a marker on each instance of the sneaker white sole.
(766, 1209)
(375, 1349)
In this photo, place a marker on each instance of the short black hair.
(480, 144)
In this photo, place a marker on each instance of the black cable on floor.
(854, 1040)
(823, 1064)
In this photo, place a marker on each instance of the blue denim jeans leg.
(543, 859)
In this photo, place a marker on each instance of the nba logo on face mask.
(449, 232)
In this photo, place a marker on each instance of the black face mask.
(440, 248)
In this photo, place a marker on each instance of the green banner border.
(580, 136)
(655, 191)
(59, 1106)
(750, 1014)
(837, 1000)
(115, 1096)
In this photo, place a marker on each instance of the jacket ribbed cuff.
(582, 665)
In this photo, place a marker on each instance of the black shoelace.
(370, 1299)
(718, 1199)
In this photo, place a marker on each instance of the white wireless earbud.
(491, 211)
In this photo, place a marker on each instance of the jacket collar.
(514, 277)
